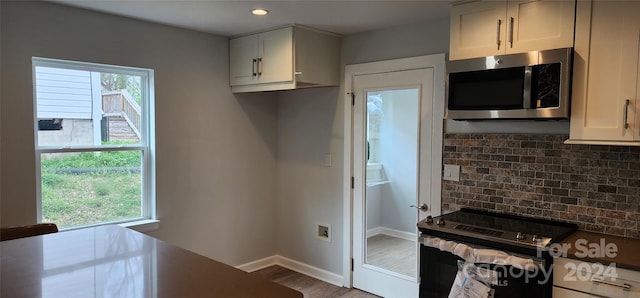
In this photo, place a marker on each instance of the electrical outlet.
(324, 232)
(451, 172)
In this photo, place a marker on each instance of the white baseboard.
(321, 274)
(374, 231)
(258, 264)
(392, 233)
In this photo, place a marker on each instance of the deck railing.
(121, 103)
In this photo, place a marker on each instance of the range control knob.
(520, 236)
(429, 219)
(440, 222)
(536, 238)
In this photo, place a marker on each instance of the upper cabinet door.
(243, 53)
(276, 56)
(539, 25)
(605, 101)
(478, 29)
(489, 28)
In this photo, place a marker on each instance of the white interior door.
(393, 161)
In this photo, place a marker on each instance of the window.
(94, 138)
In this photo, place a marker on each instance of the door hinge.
(351, 264)
(353, 182)
(353, 98)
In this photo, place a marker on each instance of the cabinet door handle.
(499, 23)
(259, 66)
(253, 67)
(511, 20)
(626, 287)
(625, 112)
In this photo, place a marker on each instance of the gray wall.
(374, 212)
(310, 193)
(399, 157)
(397, 42)
(215, 151)
(311, 124)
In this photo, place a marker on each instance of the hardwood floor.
(309, 286)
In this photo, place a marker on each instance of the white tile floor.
(391, 253)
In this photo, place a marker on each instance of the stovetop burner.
(479, 230)
(499, 227)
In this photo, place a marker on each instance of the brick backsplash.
(594, 186)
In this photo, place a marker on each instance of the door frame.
(437, 62)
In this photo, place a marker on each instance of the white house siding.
(63, 93)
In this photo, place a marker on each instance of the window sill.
(142, 226)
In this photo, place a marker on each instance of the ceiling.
(233, 17)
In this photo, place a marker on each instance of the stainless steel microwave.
(533, 85)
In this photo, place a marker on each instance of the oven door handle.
(474, 253)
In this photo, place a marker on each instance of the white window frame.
(148, 194)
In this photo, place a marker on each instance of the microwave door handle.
(526, 96)
(498, 25)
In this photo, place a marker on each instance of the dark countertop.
(115, 261)
(627, 255)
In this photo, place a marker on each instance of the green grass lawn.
(86, 188)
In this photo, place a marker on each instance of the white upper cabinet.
(243, 54)
(275, 63)
(605, 107)
(539, 25)
(489, 28)
(477, 29)
(262, 58)
(282, 59)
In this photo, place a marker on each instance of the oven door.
(438, 270)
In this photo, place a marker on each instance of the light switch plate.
(328, 160)
(451, 172)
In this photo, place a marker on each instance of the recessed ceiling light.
(259, 12)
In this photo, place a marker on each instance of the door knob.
(422, 207)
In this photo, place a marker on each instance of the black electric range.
(514, 235)
(497, 230)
